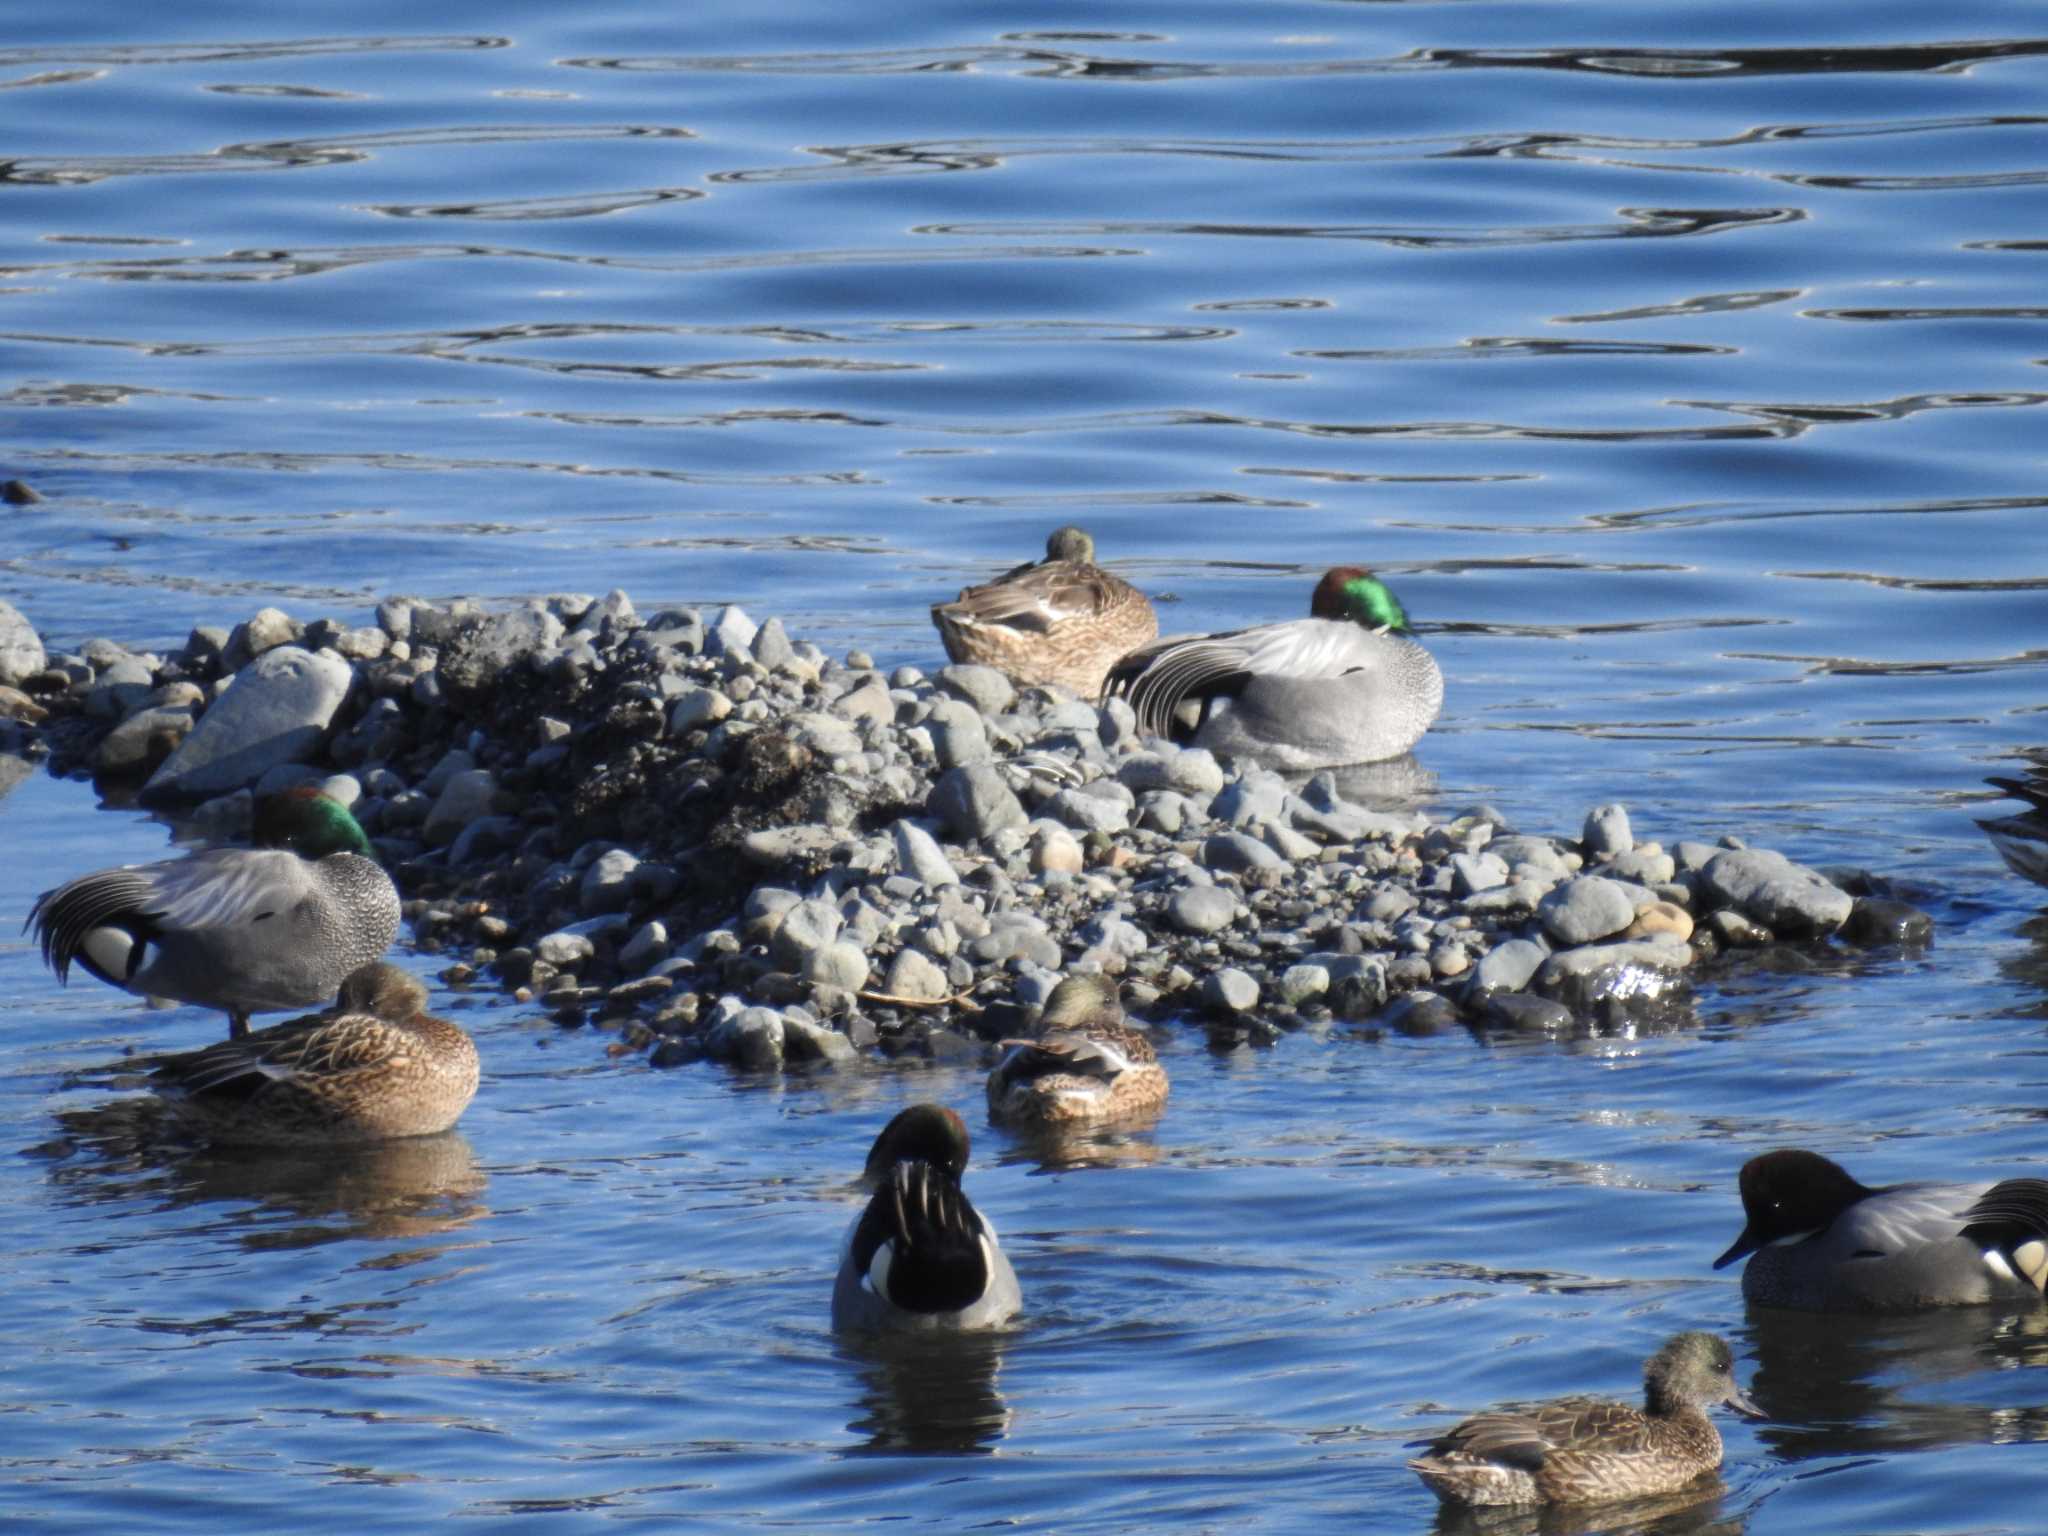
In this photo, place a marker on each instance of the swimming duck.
(1085, 1064)
(1061, 620)
(1580, 1450)
(374, 1067)
(245, 930)
(1822, 1242)
(2022, 840)
(921, 1256)
(1347, 684)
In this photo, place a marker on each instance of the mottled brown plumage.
(374, 1066)
(1086, 1063)
(1582, 1450)
(1061, 620)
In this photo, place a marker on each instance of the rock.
(1359, 986)
(1202, 908)
(984, 688)
(838, 964)
(1876, 920)
(1301, 983)
(912, 975)
(1660, 917)
(478, 651)
(958, 734)
(1229, 990)
(1236, 852)
(1054, 851)
(919, 856)
(646, 949)
(1088, 811)
(607, 884)
(695, 707)
(1193, 771)
(1734, 931)
(974, 802)
(468, 797)
(1527, 1014)
(122, 686)
(142, 741)
(1645, 864)
(732, 635)
(771, 647)
(751, 1038)
(803, 1040)
(275, 711)
(1585, 909)
(1606, 833)
(804, 930)
(1794, 902)
(1418, 1013)
(1509, 966)
(565, 950)
(1474, 872)
(261, 633)
(1643, 974)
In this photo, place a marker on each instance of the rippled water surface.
(1680, 366)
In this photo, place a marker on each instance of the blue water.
(1680, 367)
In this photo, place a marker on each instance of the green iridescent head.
(310, 823)
(1351, 592)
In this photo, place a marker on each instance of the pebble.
(974, 802)
(919, 856)
(1201, 909)
(1229, 990)
(1585, 909)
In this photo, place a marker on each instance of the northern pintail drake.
(375, 1067)
(2022, 840)
(1061, 620)
(1085, 1064)
(1822, 1242)
(244, 930)
(1582, 1450)
(921, 1256)
(1348, 684)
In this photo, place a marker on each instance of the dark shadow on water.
(928, 1393)
(129, 1150)
(1843, 1386)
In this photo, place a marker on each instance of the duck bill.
(1739, 1400)
(1743, 1246)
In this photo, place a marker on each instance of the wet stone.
(1606, 833)
(1794, 902)
(1878, 920)
(1525, 1013)
(1229, 990)
(1586, 909)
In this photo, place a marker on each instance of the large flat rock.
(276, 711)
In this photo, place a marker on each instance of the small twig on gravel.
(964, 1001)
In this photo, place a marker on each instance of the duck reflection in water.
(1840, 1384)
(132, 1150)
(1694, 1511)
(925, 1392)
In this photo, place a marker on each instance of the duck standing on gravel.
(1582, 1450)
(921, 1256)
(244, 930)
(1062, 620)
(1347, 684)
(375, 1067)
(1086, 1064)
(1823, 1242)
(2022, 840)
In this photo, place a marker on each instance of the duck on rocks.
(244, 930)
(920, 1256)
(1582, 1450)
(374, 1067)
(1086, 1063)
(1820, 1241)
(1062, 620)
(2022, 840)
(1347, 684)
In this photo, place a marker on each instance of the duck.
(1582, 1450)
(1086, 1063)
(1820, 1241)
(1348, 684)
(374, 1067)
(920, 1256)
(244, 930)
(2022, 840)
(1059, 621)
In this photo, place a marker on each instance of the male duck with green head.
(244, 930)
(1347, 684)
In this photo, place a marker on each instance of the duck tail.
(2010, 1224)
(100, 921)
(937, 1254)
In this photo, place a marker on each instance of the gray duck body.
(1819, 1241)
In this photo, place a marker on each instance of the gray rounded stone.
(805, 929)
(974, 802)
(1239, 852)
(21, 648)
(1089, 812)
(919, 856)
(1201, 909)
(751, 1038)
(1606, 833)
(276, 711)
(1509, 966)
(468, 796)
(608, 882)
(1794, 902)
(911, 974)
(1586, 909)
(958, 733)
(1229, 990)
(984, 688)
(838, 964)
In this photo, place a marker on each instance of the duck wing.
(1036, 598)
(1197, 669)
(1105, 1053)
(1524, 1436)
(302, 1050)
(2010, 1220)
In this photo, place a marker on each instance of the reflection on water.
(1694, 1511)
(928, 1393)
(1849, 1386)
(131, 1150)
